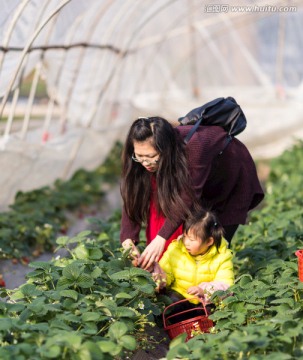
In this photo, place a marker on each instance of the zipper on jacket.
(196, 270)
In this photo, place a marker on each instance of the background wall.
(74, 75)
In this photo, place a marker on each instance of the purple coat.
(228, 183)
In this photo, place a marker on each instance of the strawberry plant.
(261, 318)
(91, 305)
(37, 217)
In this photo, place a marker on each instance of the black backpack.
(224, 112)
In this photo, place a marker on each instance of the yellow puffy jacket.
(184, 270)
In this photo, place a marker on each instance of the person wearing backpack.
(164, 179)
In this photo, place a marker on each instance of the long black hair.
(174, 189)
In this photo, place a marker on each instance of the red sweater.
(227, 183)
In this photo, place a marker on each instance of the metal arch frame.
(36, 79)
(119, 63)
(183, 29)
(52, 98)
(108, 81)
(99, 15)
(17, 89)
(202, 24)
(77, 146)
(10, 29)
(25, 50)
(68, 98)
(106, 36)
(160, 43)
(265, 81)
(6, 39)
(120, 57)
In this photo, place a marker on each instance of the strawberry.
(25, 260)
(2, 282)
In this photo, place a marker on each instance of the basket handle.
(185, 311)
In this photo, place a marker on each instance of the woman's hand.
(152, 252)
(134, 252)
(195, 290)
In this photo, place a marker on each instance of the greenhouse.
(74, 75)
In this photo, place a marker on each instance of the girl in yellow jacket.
(198, 263)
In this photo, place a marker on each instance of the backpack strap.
(227, 141)
(198, 123)
(192, 131)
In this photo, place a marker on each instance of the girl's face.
(194, 245)
(146, 154)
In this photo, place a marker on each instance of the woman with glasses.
(163, 180)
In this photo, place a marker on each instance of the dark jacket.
(227, 184)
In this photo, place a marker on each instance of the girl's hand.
(195, 290)
(134, 252)
(159, 277)
(152, 252)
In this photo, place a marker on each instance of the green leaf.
(288, 301)
(5, 324)
(244, 280)
(37, 308)
(25, 314)
(124, 312)
(107, 303)
(95, 254)
(113, 349)
(17, 295)
(128, 342)
(58, 324)
(62, 240)
(51, 352)
(85, 281)
(117, 330)
(217, 315)
(42, 327)
(71, 318)
(147, 289)
(278, 355)
(176, 346)
(90, 329)
(107, 346)
(130, 274)
(81, 237)
(121, 275)
(72, 271)
(46, 266)
(90, 316)
(134, 272)
(238, 318)
(94, 351)
(64, 283)
(96, 273)
(69, 294)
(81, 252)
(123, 295)
(15, 308)
(30, 290)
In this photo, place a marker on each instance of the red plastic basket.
(299, 254)
(198, 323)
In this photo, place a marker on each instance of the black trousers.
(229, 232)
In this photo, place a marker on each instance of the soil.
(158, 345)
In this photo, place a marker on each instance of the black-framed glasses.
(147, 161)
